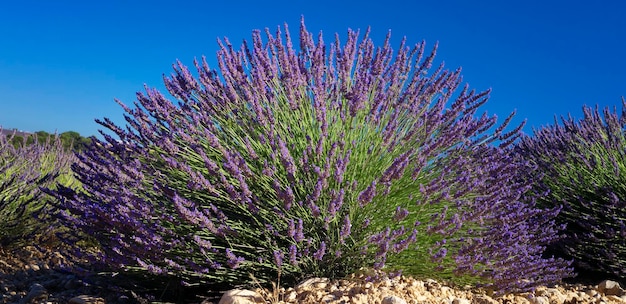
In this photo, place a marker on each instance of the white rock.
(539, 300)
(36, 294)
(328, 298)
(460, 301)
(290, 296)
(241, 296)
(554, 295)
(421, 298)
(418, 284)
(313, 283)
(610, 288)
(445, 291)
(359, 299)
(84, 299)
(393, 300)
(615, 299)
(484, 299)
(386, 282)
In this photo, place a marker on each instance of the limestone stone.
(85, 299)
(18, 273)
(36, 294)
(359, 299)
(615, 299)
(484, 299)
(554, 295)
(241, 296)
(313, 283)
(610, 288)
(393, 300)
(290, 296)
(460, 301)
(539, 300)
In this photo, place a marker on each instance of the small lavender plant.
(487, 234)
(311, 163)
(582, 167)
(23, 170)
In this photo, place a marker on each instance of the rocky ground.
(32, 275)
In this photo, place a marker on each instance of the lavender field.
(300, 157)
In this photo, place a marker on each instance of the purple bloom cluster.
(581, 168)
(25, 168)
(283, 152)
(511, 233)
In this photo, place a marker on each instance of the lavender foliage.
(24, 170)
(315, 162)
(581, 168)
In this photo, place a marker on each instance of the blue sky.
(62, 63)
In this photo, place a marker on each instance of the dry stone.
(359, 299)
(313, 283)
(615, 299)
(241, 296)
(461, 301)
(290, 296)
(18, 273)
(610, 288)
(393, 300)
(554, 295)
(85, 299)
(539, 300)
(484, 299)
(36, 294)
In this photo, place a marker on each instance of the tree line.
(70, 140)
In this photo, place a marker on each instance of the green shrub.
(24, 169)
(309, 164)
(582, 166)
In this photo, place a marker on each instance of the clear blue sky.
(63, 62)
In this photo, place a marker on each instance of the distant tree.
(70, 140)
(17, 141)
(43, 136)
(73, 140)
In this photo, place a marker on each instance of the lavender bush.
(23, 170)
(311, 163)
(490, 235)
(582, 165)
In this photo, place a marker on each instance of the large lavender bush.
(311, 163)
(24, 169)
(582, 167)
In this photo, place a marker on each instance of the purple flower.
(278, 258)
(232, 260)
(315, 210)
(299, 235)
(150, 267)
(400, 214)
(366, 196)
(336, 203)
(293, 255)
(291, 230)
(346, 227)
(319, 254)
(366, 223)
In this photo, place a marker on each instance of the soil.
(43, 275)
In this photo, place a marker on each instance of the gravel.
(36, 275)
